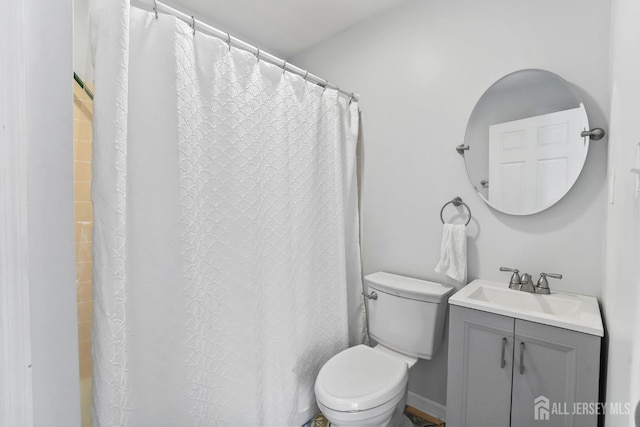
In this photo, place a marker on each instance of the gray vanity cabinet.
(501, 369)
(480, 375)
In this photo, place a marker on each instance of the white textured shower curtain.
(226, 260)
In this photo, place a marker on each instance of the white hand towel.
(453, 253)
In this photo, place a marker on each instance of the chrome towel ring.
(456, 201)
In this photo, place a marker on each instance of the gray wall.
(420, 69)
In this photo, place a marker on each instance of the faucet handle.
(542, 287)
(514, 283)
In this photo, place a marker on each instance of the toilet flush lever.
(372, 295)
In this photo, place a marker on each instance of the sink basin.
(579, 313)
(558, 304)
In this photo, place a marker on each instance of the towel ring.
(456, 201)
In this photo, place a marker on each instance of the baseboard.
(425, 405)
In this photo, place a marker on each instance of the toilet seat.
(378, 416)
(360, 378)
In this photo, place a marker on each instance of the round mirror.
(525, 149)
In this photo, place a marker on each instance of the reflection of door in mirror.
(534, 161)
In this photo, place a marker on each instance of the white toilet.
(364, 386)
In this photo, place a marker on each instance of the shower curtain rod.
(233, 41)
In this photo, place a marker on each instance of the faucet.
(543, 284)
(515, 282)
(525, 284)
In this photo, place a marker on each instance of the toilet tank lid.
(408, 287)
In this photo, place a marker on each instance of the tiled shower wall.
(82, 129)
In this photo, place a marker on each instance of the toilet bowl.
(365, 386)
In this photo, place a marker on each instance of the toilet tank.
(408, 315)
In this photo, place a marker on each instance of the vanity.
(522, 359)
(522, 355)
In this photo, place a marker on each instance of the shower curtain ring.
(284, 67)
(306, 74)
(155, 8)
(193, 24)
(351, 98)
(229, 41)
(258, 55)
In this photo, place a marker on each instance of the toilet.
(367, 386)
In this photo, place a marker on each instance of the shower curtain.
(226, 258)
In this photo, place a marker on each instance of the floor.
(422, 419)
(418, 418)
(85, 401)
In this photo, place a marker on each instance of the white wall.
(49, 136)
(420, 69)
(82, 63)
(621, 293)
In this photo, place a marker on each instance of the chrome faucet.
(525, 284)
(543, 285)
(515, 282)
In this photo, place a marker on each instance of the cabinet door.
(480, 368)
(554, 369)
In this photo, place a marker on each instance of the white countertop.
(575, 312)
